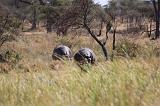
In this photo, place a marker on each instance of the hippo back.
(85, 54)
(61, 51)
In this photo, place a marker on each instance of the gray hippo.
(85, 55)
(60, 52)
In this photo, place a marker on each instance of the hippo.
(60, 52)
(85, 55)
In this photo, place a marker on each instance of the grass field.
(37, 80)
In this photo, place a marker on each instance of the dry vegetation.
(29, 76)
(131, 79)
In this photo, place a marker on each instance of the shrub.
(127, 48)
(156, 52)
(8, 60)
(12, 56)
(9, 28)
(65, 41)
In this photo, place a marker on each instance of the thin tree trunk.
(156, 9)
(157, 20)
(49, 25)
(34, 21)
(114, 39)
(100, 31)
(16, 2)
(99, 42)
(127, 25)
(150, 28)
(113, 43)
(49, 21)
(157, 27)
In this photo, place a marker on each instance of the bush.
(12, 56)
(8, 60)
(65, 41)
(156, 52)
(127, 48)
(9, 29)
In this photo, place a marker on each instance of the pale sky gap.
(101, 2)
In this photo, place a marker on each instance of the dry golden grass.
(37, 80)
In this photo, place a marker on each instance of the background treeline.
(52, 13)
(64, 16)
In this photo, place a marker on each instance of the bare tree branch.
(26, 2)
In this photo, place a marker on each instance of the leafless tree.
(88, 16)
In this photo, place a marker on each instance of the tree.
(138, 14)
(52, 12)
(9, 28)
(88, 16)
(34, 5)
(45, 11)
(156, 5)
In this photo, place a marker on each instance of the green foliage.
(60, 2)
(9, 60)
(126, 48)
(130, 8)
(65, 41)
(12, 56)
(9, 29)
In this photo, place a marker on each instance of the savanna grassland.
(33, 78)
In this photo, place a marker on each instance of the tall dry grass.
(37, 80)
